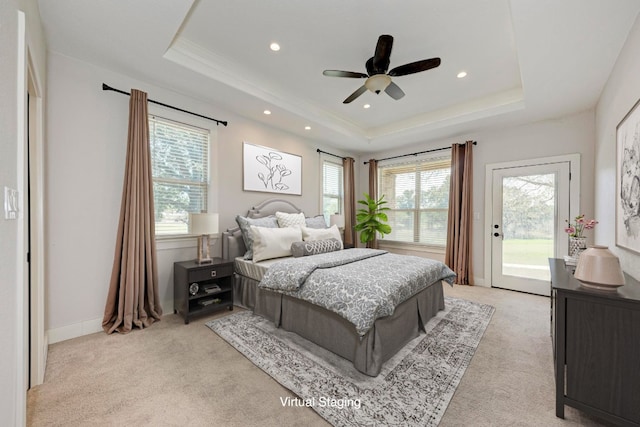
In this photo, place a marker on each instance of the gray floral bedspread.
(360, 285)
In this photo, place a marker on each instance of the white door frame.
(39, 342)
(574, 196)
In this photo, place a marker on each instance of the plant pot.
(576, 246)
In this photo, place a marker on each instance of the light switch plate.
(10, 203)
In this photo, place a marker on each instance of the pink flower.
(590, 224)
(581, 224)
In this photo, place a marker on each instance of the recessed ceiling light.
(462, 74)
(274, 46)
(307, 128)
(366, 106)
(267, 112)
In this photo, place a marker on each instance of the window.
(180, 171)
(332, 188)
(418, 196)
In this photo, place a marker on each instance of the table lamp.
(337, 220)
(203, 224)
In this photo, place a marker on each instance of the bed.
(367, 350)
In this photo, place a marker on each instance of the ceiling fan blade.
(382, 55)
(415, 67)
(338, 73)
(394, 91)
(355, 94)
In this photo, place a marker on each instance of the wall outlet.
(476, 216)
(10, 203)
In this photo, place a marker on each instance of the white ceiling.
(526, 60)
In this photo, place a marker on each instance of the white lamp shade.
(599, 268)
(337, 220)
(203, 223)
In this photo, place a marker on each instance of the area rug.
(413, 389)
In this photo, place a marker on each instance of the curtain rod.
(419, 152)
(107, 87)
(331, 154)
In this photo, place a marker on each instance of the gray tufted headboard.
(232, 243)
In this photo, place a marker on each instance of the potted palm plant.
(372, 219)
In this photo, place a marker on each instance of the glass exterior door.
(530, 204)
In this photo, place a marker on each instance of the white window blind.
(332, 188)
(180, 170)
(418, 196)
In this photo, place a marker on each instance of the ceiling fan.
(377, 77)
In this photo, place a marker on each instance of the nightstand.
(202, 288)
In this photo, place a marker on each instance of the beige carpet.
(176, 374)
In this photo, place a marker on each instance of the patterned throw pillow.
(316, 222)
(245, 227)
(315, 247)
(290, 220)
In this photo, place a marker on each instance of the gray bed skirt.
(335, 333)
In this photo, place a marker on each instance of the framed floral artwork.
(628, 180)
(272, 171)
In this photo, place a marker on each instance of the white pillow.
(273, 242)
(322, 233)
(290, 220)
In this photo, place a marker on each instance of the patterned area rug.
(414, 387)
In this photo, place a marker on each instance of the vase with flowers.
(577, 239)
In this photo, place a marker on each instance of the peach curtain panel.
(349, 201)
(132, 300)
(458, 250)
(373, 192)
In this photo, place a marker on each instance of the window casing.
(332, 189)
(180, 164)
(418, 197)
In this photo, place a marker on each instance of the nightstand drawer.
(210, 273)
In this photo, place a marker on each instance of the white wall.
(8, 229)
(566, 135)
(87, 136)
(13, 358)
(621, 92)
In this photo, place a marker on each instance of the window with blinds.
(180, 171)
(418, 197)
(332, 189)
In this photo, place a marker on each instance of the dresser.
(596, 347)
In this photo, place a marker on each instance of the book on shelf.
(211, 289)
(210, 301)
(569, 260)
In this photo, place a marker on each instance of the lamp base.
(204, 257)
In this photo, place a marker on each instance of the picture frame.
(269, 170)
(628, 180)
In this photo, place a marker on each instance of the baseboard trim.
(73, 331)
(87, 327)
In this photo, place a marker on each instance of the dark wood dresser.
(596, 347)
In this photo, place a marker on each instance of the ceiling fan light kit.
(377, 77)
(377, 83)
